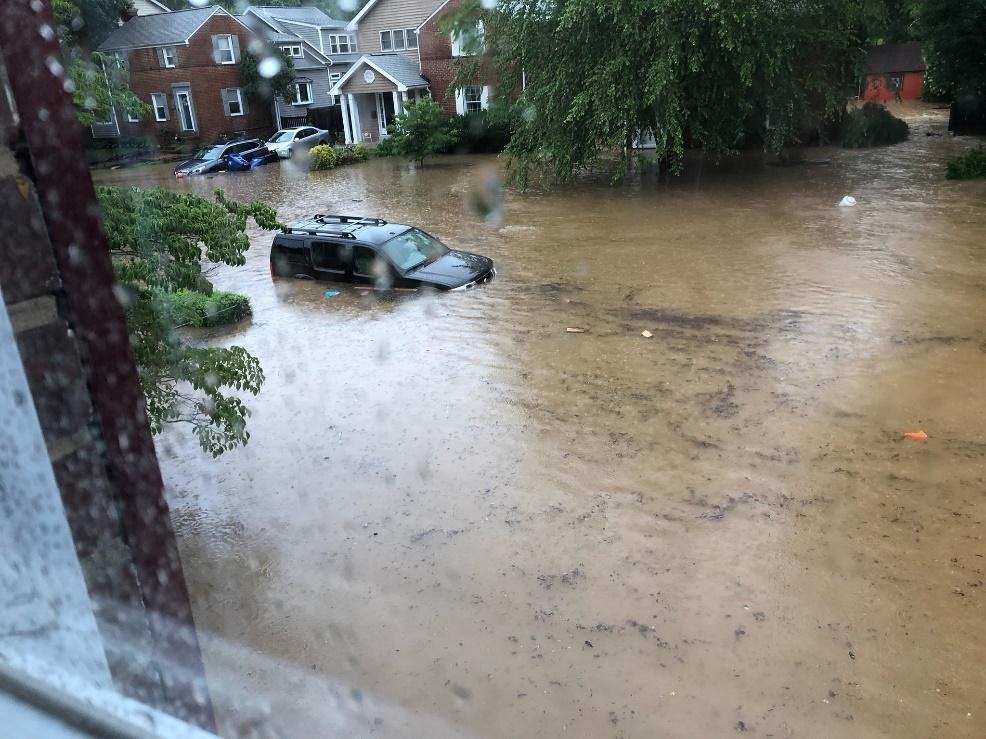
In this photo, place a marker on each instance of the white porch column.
(357, 129)
(346, 124)
(398, 108)
(403, 98)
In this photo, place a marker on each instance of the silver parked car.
(287, 141)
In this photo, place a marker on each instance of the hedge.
(323, 157)
(191, 308)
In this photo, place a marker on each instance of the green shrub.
(872, 125)
(323, 157)
(353, 154)
(969, 166)
(484, 132)
(387, 147)
(191, 308)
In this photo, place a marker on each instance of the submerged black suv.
(375, 253)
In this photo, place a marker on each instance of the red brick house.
(438, 56)
(186, 66)
(894, 72)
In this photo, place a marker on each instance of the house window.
(233, 101)
(472, 96)
(469, 41)
(294, 51)
(335, 76)
(222, 49)
(159, 101)
(302, 92)
(169, 56)
(398, 39)
(341, 44)
(133, 118)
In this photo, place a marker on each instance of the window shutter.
(484, 97)
(225, 96)
(235, 40)
(456, 44)
(243, 102)
(460, 101)
(160, 56)
(215, 49)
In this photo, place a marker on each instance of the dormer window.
(294, 51)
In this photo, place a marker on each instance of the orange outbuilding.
(894, 72)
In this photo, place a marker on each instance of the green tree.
(259, 87)
(98, 82)
(951, 33)
(157, 240)
(712, 75)
(421, 130)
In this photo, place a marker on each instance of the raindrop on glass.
(269, 67)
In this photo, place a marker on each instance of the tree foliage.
(951, 33)
(157, 240)
(421, 130)
(712, 75)
(98, 82)
(256, 86)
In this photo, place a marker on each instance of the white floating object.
(847, 202)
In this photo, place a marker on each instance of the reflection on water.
(451, 505)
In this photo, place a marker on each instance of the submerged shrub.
(968, 166)
(192, 308)
(872, 125)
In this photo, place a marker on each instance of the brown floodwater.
(454, 518)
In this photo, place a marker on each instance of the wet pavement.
(455, 518)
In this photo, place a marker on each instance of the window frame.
(164, 105)
(335, 46)
(390, 41)
(288, 51)
(219, 50)
(297, 92)
(229, 103)
(408, 32)
(466, 101)
(174, 56)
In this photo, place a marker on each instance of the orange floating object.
(918, 435)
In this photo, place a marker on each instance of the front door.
(385, 111)
(183, 104)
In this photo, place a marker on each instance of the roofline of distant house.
(437, 11)
(161, 5)
(215, 9)
(351, 26)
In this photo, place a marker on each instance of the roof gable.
(395, 67)
(162, 29)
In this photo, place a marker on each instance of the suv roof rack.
(351, 220)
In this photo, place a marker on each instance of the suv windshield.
(211, 152)
(413, 248)
(281, 136)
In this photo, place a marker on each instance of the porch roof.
(396, 68)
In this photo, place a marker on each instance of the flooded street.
(454, 518)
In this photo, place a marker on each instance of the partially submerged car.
(288, 141)
(227, 155)
(375, 253)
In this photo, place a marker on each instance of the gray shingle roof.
(891, 58)
(344, 58)
(311, 16)
(160, 29)
(400, 68)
